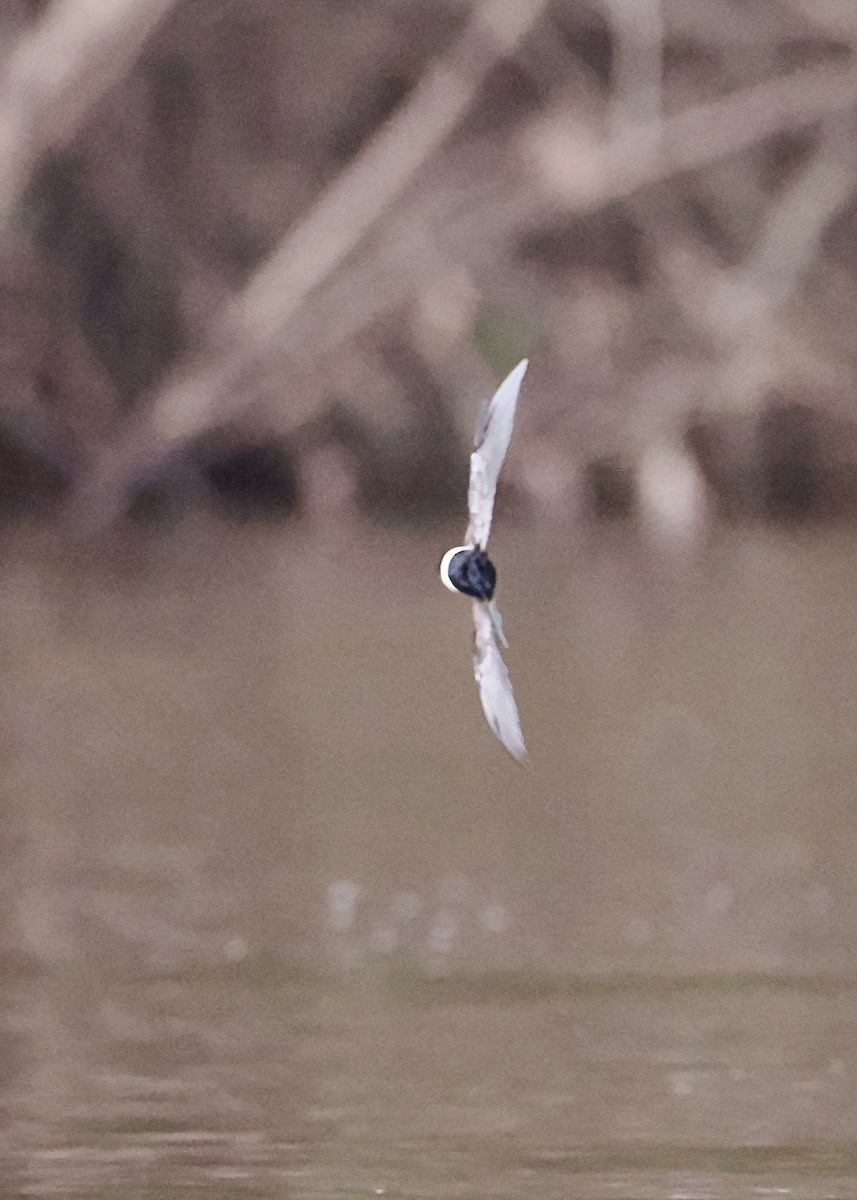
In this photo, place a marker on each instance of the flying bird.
(469, 570)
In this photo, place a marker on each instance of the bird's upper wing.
(495, 688)
(492, 442)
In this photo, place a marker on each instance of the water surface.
(282, 918)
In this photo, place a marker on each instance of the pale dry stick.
(636, 72)
(742, 303)
(792, 232)
(584, 175)
(738, 310)
(377, 281)
(204, 390)
(739, 34)
(345, 213)
(57, 73)
(352, 299)
(742, 307)
(834, 17)
(768, 349)
(725, 127)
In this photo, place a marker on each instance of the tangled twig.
(57, 73)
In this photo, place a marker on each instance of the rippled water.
(282, 919)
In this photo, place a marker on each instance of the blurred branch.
(757, 349)
(206, 390)
(302, 302)
(583, 174)
(736, 310)
(637, 69)
(738, 305)
(792, 233)
(736, 30)
(57, 73)
(347, 210)
(834, 17)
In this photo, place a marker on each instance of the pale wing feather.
(495, 687)
(492, 442)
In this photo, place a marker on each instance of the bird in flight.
(469, 570)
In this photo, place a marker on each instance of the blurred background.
(279, 915)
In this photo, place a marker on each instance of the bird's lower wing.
(495, 687)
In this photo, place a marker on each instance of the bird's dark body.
(472, 572)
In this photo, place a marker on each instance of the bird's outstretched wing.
(495, 688)
(492, 442)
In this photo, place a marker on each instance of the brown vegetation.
(281, 232)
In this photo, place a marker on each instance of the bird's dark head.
(469, 570)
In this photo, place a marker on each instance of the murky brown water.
(281, 919)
